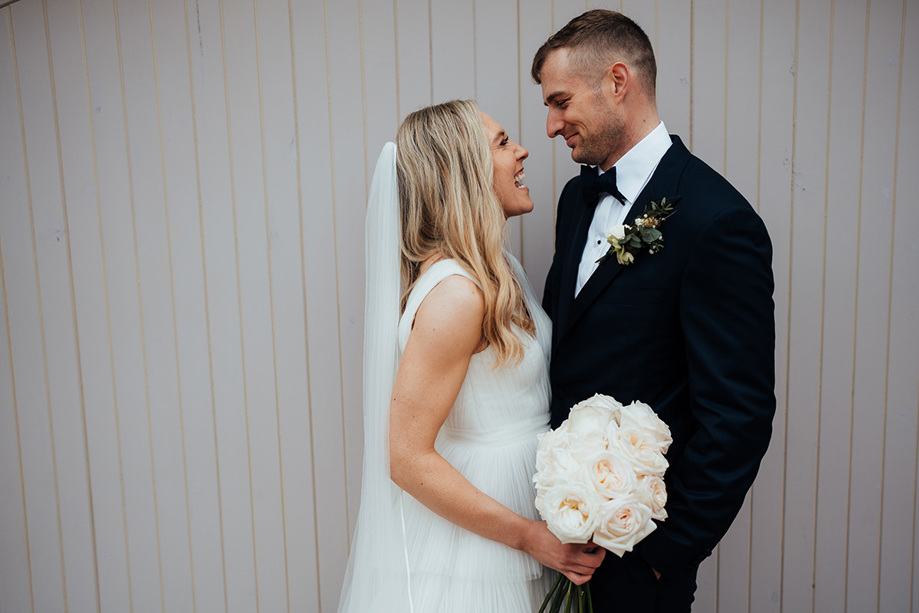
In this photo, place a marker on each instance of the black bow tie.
(595, 184)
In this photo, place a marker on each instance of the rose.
(653, 492)
(593, 414)
(552, 454)
(554, 464)
(612, 476)
(642, 438)
(584, 446)
(616, 234)
(643, 454)
(570, 509)
(640, 416)
(622, 523)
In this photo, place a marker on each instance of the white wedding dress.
(490, 438)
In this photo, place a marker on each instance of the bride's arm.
(446, 333)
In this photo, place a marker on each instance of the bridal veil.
(376, 578)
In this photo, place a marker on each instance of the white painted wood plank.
(350, 198)
(673, 53)
(246, 122)
(453, 58)
(26, 342)
(381, 85)
(117, 220)
(284, 212)
(157, 305)
(496, 79)
(196, 427)
(873, 283)
(413, 55)
(774, 144)
(538, 227)
(65, 409)
(15, 581)
(320, 269)
(78, 162)
(899, 496)
(834, 457)
(743, 95)
(806, 292)
(218, 200)
(709, 63)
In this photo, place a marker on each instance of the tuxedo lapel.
(663, 184)
(572, 259)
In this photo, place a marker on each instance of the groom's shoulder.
(571, 188)
(702, 183)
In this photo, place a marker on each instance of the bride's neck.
(428, 262)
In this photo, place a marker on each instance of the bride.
(456, 386)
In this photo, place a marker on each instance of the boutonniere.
(627, 240)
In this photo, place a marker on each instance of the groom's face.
(581, 111)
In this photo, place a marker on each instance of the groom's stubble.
(602, 132)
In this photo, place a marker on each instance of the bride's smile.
(508, 157)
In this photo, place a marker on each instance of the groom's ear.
(618, 80)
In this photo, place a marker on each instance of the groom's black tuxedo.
(688, 330)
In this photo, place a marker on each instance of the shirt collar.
(635, 167)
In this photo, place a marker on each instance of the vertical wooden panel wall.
(182, 189)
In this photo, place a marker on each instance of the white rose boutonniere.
(627, 240)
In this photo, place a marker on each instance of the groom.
(688, 329)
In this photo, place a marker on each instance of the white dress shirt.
(633, 171)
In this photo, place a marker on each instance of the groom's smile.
(583, 110)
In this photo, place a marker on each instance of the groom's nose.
(554, 123)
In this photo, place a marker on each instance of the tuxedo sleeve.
(727, 318)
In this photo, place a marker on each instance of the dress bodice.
(495, 403)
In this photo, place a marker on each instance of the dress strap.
(432, 276)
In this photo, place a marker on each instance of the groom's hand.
(577, 561)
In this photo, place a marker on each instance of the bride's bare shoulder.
(452, 312)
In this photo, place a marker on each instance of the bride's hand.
(577, 561)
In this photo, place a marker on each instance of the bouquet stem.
(564, 595)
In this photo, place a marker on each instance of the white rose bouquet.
(600, 477)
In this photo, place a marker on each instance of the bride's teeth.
(519, 179)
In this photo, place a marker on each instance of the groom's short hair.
(598, 39)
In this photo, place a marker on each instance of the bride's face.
(508, 155)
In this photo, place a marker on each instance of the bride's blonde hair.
(449, 207)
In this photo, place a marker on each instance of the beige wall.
(182, 188)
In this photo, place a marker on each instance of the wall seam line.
(207, 311)
(9, 341)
